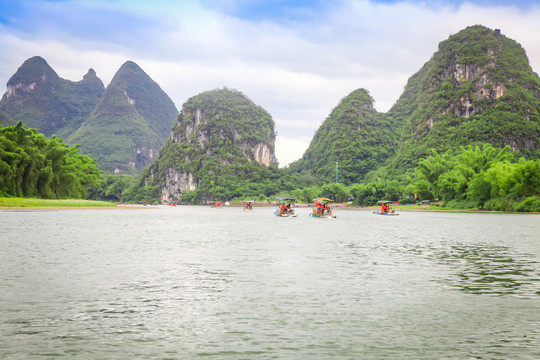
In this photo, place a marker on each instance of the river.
(193, 282)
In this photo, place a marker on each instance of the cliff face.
(478, 87)
(219, 134)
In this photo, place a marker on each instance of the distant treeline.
(472, 177)
(33, 166)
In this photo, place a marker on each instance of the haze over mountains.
(477, 88)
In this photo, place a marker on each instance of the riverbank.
(44, 204)
(34, 203)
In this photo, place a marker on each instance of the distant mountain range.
(477, 88)
(122, 126)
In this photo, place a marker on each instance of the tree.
(32, 165)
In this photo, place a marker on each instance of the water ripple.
(194, 282)
(491, 270)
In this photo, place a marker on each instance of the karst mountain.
(123, 126)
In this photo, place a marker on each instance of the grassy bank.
(30, 202)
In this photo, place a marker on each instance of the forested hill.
(147, 97)
(220, 142)
(123, 126)
(38, 97)
(129, 124)
(477, 88)
(355, 136)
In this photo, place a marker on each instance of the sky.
(297, 59)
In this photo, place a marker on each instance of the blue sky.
(296, 59)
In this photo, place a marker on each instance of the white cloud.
(68, 61)
(289, 149)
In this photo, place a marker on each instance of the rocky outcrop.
(260, 153)
(176, 183)
(20, 88)
(478, 75)
(143, 154)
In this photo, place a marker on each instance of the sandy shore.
(34, 208)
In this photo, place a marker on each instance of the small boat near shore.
(248, 205)
(385, 209)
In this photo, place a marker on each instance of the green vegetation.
(33, 166)
(148, 99)
(465, 134)
(355, 136)
(33, 202)
(480, 177)
(472, 177)
(114, 132)
(123, 126)
(114, 188)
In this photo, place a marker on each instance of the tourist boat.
(285, 207)
(388, 212)
(322, 208)
(248, 205)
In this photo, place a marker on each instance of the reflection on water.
(485, 269)
(492, 270)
